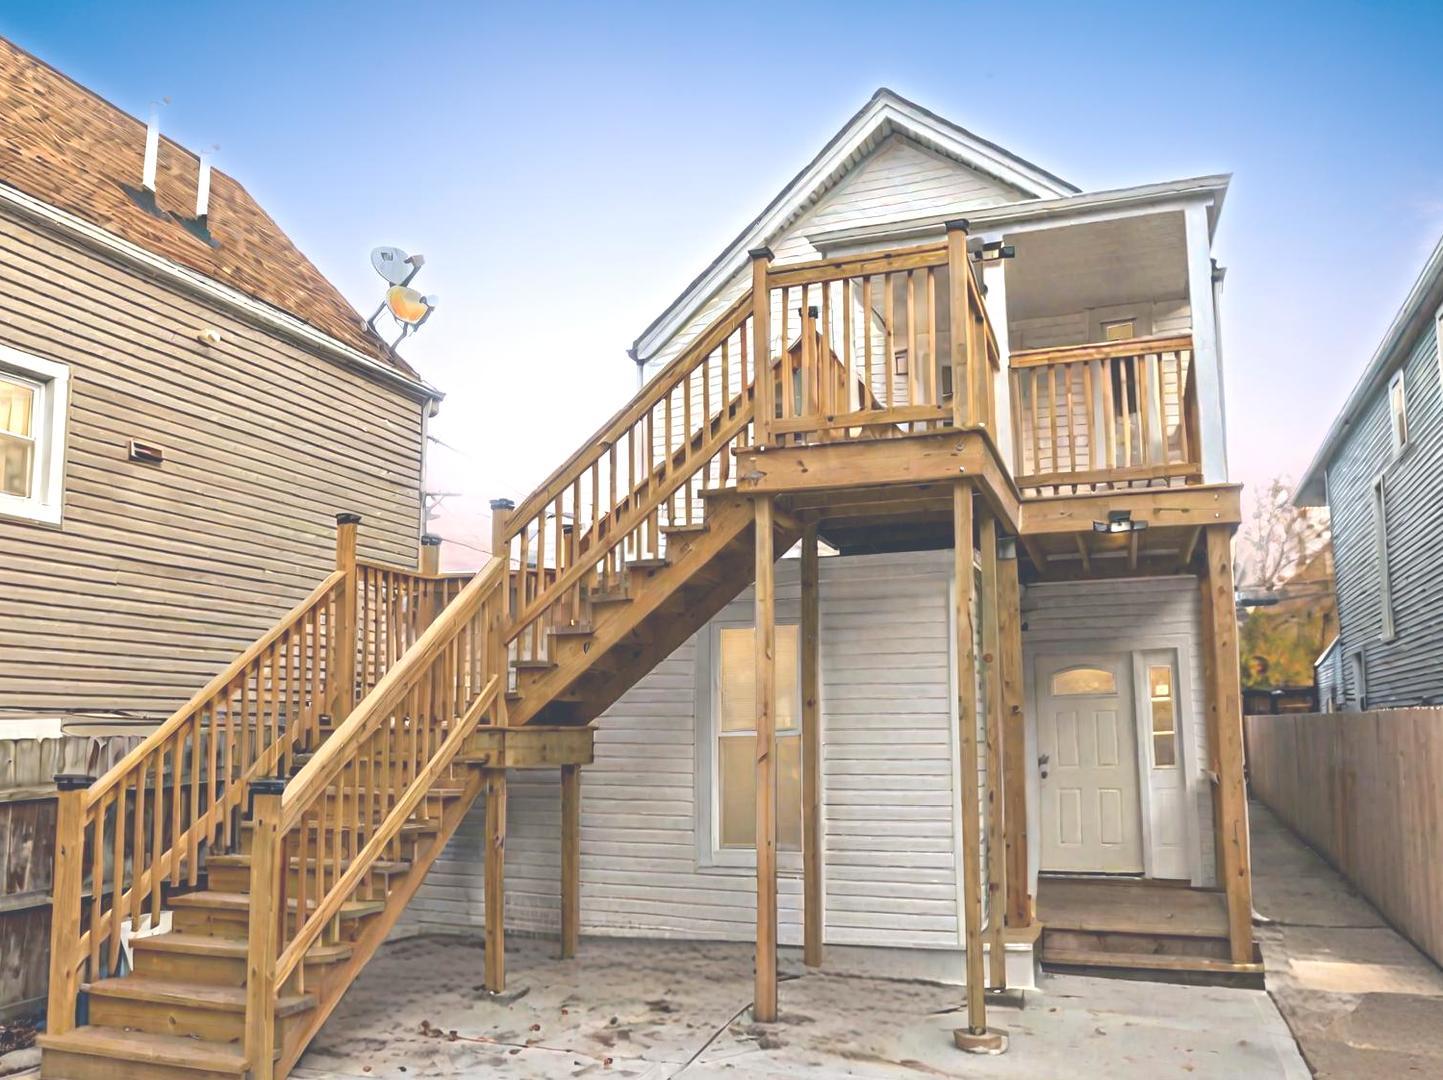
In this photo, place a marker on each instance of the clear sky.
(566, 169)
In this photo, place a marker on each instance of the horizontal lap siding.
(1088, 617)
(888, 800)
(160, 575)
(1409, 669)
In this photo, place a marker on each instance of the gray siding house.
(1380, 473)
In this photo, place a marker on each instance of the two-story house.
(185, 405)
(1379, 472)
(995, 698)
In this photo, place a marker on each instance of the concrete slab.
(651, 1010)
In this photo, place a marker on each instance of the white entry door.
(1087, 757)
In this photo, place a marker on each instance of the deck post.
(1226, 716)
(1014, 734)
(993, 801)
(963, 410)
(495, 880)
(765, 408)
(764, 1002)
(501, 549)
(811, 753)
(65, 899)
(570, 860)
(345, 637)
(263, 931)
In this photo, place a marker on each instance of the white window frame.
(1358, 665)
(1388, 629)
(710, 854)
(45, 503)
(1398, 413)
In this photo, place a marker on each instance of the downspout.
(640, 368)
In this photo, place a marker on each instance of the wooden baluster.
(978, 365)
(1055, 453)
(1071, 418)
(117, 886)
(808, 404)
(1090, 408)
(848, 381)
(742, 361)
(869, 390)
(157, 835)
(932, 374)
(97, 880)
(913, 360)
(177, 755)
(1034, 376)
(1014, 379)
(1124, 370)
(1109, 421)
(1182, 439)
(1144, 407)
(889, 316)
(792, 396)
(822, 366)
(137, 847)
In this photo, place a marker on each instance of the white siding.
(1124, 616)
(889, 799)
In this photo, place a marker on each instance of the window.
(1387, 631)
(33, 395)
(736, 739)
(1398, 413)
(1359, 670)
(1162, 707)
(1083, 680)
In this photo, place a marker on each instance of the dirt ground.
(1362, 1001)
(654, 1010)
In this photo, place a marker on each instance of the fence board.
(1366, 791)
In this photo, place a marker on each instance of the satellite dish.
(393, 264)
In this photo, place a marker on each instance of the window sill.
(30, 512)
(789, 865)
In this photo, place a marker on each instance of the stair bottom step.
(100, 1053)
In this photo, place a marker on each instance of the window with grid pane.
(736, 735)
(1163, 707)
(17, 436)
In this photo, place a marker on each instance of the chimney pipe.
(152, 149)
(202, 189)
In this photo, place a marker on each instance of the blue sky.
(566, 169)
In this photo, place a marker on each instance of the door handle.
(1042, 761)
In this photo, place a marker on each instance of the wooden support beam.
(495, 880)
(993, 800)
(1226, 716)
(1189, 546)
(764, 1002)
(570, 860)
(1132, 547)
(1035, 553)
(1014, 736)
(812, 904)
(967, 742)
(1082, 552)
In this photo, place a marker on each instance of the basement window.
(33, 394)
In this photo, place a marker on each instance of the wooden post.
(345, 629)
(65, 900)
(811, 753)
(500, 653)
(764, 1003)
(963, 412)
(263, 933)
(570, 860)
(1227, 717)
(1210, 719)
(996, 838)
(430, 555)
(765, 407)
(1014, 734)
(495, 883)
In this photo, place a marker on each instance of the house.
(1379, 472)
(185, 404)
(990, 714)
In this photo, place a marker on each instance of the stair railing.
(642, 473)
(145, 824)
(348, 806)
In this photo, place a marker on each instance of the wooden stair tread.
(142, 1047)
(533, 665)
(684, 530)
(1140, 961)
(660, 563)
(178, 941)
(212, 900)
(199, 995)
(608, 598)
(571, 631)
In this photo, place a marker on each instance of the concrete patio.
(654, 1010)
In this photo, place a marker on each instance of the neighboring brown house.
(128, 321)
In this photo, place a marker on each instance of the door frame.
(1126, 669)
(1132, 650)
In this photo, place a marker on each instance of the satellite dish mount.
(407, 306)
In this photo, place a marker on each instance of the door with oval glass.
(1087, 757)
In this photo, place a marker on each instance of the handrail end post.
(65, 962)
(764, 409)
(345, 630)
(267, 904)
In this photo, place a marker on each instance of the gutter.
(208, 289)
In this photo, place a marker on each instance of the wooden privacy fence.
(27, 853)
(1365, 790)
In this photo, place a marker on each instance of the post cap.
(502, 504)
(348, 519)
(958, 223)
(762, 252)
(72, 781)
(268, 785)
(430, 540)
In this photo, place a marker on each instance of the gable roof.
(71, 149)
(1423, 299)
(887, 113)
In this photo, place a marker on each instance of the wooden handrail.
(881, 262)
(227, 675)
(1061, 354)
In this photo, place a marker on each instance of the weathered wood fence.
(27, 854)
(1365, 790)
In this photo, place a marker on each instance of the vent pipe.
(152, 149)
(202, 190)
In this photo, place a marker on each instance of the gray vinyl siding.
(160, 575)
(1409, 669)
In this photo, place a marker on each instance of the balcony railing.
(1095, 417)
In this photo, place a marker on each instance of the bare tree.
(1279, 537)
